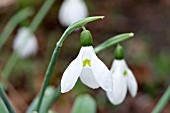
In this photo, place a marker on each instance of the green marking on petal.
(125, 73)
(87, 62)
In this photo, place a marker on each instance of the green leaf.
(84, 104)
(51, 95)
(163, 101)
(6, 101)
(3, 108)
(112, 41)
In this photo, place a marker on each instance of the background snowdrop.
(123, 79)
(72, 11)
(25, 43)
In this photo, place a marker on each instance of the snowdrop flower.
(123, 79)
(25, 43)
(91, 70)
(72, 11)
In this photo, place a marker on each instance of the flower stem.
(9, 67)
(13, 22)
(83, 28)
(163, 101)
(6, 100)
(41, 14)
(56, 53)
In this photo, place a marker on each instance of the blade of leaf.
(84, 104)
(112, 41)
(51, 95)
(6, 100)
(3, 108)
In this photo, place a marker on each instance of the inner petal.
(88, 79)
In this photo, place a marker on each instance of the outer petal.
(115, 65)
(71, 74)
(119, 65)
(100, 72)
(119, 89)
(88, 78)
(131, 83)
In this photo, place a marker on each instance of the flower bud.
(119, 52)
(86, 38)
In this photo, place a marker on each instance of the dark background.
(147, 54)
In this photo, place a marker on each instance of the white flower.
(89, 68)
(123, 79)
(25, 43)
(72, 11)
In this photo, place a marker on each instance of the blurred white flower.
(72, 11)
(25, 43)
(123, 79)
(90, 68)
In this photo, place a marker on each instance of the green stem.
(56, 52)
(6, 100)
(13, 22)
(163, 101)
(33, 26)
(9, 67)
(83, 28)
(41, 14)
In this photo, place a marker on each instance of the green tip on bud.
(119, 52)
(86, 38)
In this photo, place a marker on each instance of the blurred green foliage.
(84, 104)
(25, 3)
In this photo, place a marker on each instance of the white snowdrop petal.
(118, 65)
(87, 78)
(101, 72)
(25, 43)
(30, 48)
(71, 75)
(72, 11)
(115, 64)
(131, 83)
(119, 90)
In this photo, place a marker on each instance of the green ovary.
(87, 62)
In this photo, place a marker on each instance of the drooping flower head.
(91, 70)
(25, 43)
(123, 79)
(72, 11)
